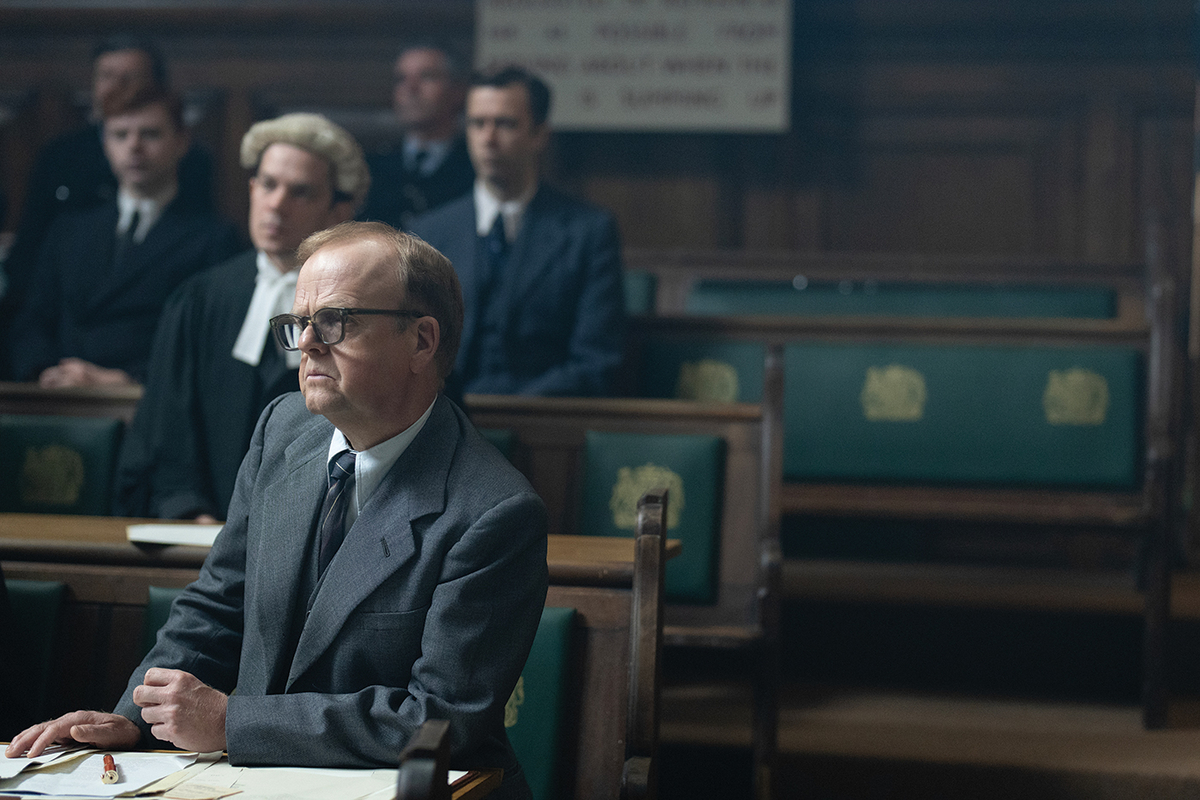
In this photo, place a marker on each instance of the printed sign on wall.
(648, 65)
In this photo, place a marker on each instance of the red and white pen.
(110, 770)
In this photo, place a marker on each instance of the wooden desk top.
(591, 560)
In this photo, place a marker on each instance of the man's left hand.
(182, 709)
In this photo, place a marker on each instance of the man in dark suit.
(72, 173)
(541, 271)
(104, 272)
(431, 165)
(214, 367)
(428, 607)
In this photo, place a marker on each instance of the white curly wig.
(319, 136)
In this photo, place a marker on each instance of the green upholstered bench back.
(36, 608)
(158, 608)
(534, 714)
(1067, 416)
(59, 465)
(640, 292)
(738, 298)
(619, 468)
(702, 369)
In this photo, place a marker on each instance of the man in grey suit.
(428, 607)
(540, 270)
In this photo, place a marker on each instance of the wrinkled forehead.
(349, 274)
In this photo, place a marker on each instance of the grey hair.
(319, 136)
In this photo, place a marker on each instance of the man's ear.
(429, 336)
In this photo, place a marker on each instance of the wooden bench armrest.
(424, 763)
(639, 776)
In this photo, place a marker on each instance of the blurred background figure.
(105, 271)
(431, 165)
(72, 172)
(540, 270)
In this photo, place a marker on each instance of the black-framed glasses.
(328, 323)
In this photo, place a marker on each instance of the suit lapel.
(295, 500)
(94, 266)
(381, 540)
(468, 268)
(153, 253)
(533, 254)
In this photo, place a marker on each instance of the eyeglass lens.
(327, 324)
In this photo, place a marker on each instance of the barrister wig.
(319, 136)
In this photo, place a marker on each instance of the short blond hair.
(321, 137)
(426, 277)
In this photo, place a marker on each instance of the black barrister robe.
(181, 455)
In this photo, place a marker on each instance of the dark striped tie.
(126, 241)
(333, 510)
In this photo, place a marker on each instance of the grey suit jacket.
(427, 611)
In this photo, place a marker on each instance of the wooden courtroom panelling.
(951, 127)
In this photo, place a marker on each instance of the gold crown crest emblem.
(1075, 396)
(707, 380)
(633, 482)
(51, 476)
(894, 393)
(515, 701)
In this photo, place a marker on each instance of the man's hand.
(106, 731)
(182, 709)
(77, 372)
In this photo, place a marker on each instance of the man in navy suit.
(541, 271)
(104, 272)
(431, 166)
(381, 564)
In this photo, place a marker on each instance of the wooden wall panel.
(947, 126)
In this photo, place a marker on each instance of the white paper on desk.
(195, 534)
(81, 777)
(13, 766)
(294, 783)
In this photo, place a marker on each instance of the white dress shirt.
(372, 464)
(148, 209)
(487, 207)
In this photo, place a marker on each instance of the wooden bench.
(1142, 322)
(615, 585)
(549, 437)
(114, 402)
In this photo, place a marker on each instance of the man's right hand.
(106, 731)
